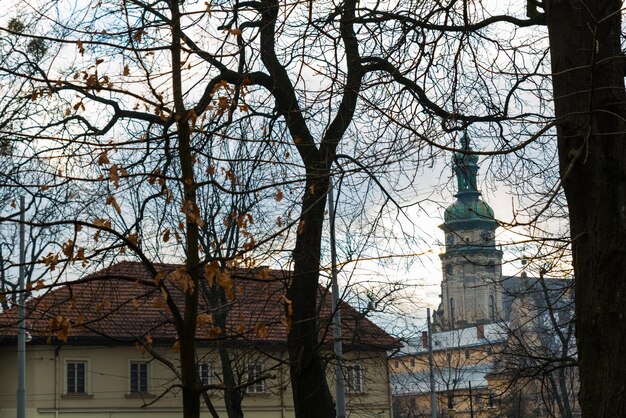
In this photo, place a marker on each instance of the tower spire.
(466, 170)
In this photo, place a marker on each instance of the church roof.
(463, 211)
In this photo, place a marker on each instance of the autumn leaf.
(133, 238)
(68, 249)
(301, 227)
(214, 332)
(81, 48)
(211, 270)
(112, 202)
(140, 347)
(166, 235)
(137, 36)
(279, 196)
(205, 319)
(250, 244)
(60, 326)
(50, 261)
(126, 71)
(80, 255)
(260, 330)
(264, 273)
(181, 278)
(114, 175)
(158, 302)
(159, 277)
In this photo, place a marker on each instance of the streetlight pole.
(433, 400)
(337, 345)
(21, 336)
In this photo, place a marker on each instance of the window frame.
(254, 371)
(138, 362)
(208, 373)
(350, 380)
(66, 380)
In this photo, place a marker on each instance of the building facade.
(105, 347)
(496, 339)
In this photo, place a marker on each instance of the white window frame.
(66, 382)
(355, 378)
(139, 362)
(255, 371)
(205, 372)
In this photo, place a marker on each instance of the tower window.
(452, 312)
(492, 308)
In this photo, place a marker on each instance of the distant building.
(85, 358)
(488, 329)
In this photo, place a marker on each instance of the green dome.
(468, 211)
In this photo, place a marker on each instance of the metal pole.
(471, 402)
(21, 336)
(338, 347)
(433, 400)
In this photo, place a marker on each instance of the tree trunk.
(187, 329)
(590, 106)
(310, 398)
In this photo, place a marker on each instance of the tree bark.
(590, 107)
(187, 329)
(311, 399)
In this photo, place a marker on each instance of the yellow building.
(462, 362)
(84, 358)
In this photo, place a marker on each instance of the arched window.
(452, 312)
(492, 308)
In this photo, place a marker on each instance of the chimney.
(425, 339)
(480, 331)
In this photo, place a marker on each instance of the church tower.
(471, 291)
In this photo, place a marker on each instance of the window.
(204, 373)
(138, 377)
(396, 364)
(76, 378)
(354, 379)
(412, 362)
(255, 378)
(492, 308)
(452, 312)
(467, 354)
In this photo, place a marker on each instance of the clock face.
(450, 239)
(486, 235)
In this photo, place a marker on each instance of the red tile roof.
(121, 304)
